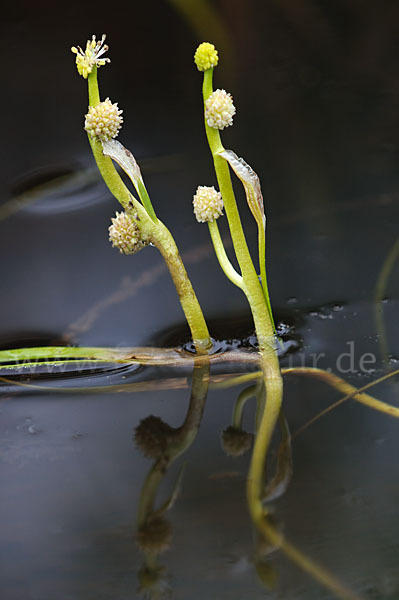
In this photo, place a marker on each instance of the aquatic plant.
(102, 123)
(208, 203)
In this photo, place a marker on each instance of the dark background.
(316, 88)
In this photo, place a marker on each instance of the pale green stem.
(244, 395)
(154, 231)
(260, 403)
(222, 257)
(104, 163)
(251, 284)
(263, 324)
(262, 265)
(163, 240)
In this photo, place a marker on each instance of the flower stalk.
(258, 302)
(142, 214)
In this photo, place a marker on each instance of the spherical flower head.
(155, 535)
(206, 56)
(104, 120)
(152, 436)
(85, 61)
(124, 234)
(219, 110)
(208, 204)
(236, 441)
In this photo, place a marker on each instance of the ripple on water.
(232, 334)
(55, 189)
(89, 372)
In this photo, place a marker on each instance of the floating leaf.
(251, 183)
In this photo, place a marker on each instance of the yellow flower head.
(85, 61)
(206, 56)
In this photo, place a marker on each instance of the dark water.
(316, 94)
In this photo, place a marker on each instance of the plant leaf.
(251, 183)
(125, 159)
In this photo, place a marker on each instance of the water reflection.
(164, 445)
(158, 440)
(236, 441)
(55, 189)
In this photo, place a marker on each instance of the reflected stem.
(182, 439)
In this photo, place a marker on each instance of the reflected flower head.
(236, 441)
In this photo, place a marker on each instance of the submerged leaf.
(251, 183)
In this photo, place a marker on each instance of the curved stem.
(183, 438)
(251, 284)
(274, 388)
(349, 390)
(163, 240)
(239, 405)
(155, 231)
(104, 163)
(263, 324)
(222, 257)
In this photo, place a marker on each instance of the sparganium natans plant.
(138, 226)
